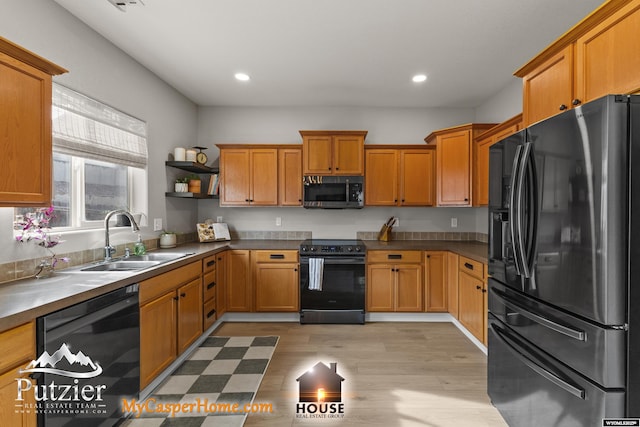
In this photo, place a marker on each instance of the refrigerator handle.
(550, 376)
(543, 321)
(512, 206)
(519, 243)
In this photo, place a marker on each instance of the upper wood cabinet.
(290, 176)
(399, 176)
(481, 153)
(333, 152)
(249, 176)
(454, 162)
(596, 57)
(25, 114)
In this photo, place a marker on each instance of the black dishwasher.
(89, 361)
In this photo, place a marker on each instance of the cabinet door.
(290, 177)
(221, 284)
(381, 178)
(317, 155)
(264, 177)
(189, 313)
(608, 58)
(158, 338)
(471, 304)
(9, 411)
(238, 281)
(434, 282)
(548, 89)
(276, 287)
(453, 169)
(25, 138)
(348, 155)
(380, 287)
(481, 183)
(452, 283)
(235, 175)
(408, 294)
(416, 178)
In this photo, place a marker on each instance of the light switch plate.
(278, 221)
(157, 224)
(454, 222)
(219, 219)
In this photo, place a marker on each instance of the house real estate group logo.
(320, 393)
(61, 397)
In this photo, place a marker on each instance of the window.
(99, 161)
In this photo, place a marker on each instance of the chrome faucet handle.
(127, 252)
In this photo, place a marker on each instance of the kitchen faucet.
(108, 249)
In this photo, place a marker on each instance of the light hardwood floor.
(396, 374)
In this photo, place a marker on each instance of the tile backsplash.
(426, 235)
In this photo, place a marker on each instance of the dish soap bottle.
(138, 248)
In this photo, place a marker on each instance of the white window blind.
(85, 127)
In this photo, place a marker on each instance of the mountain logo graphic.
(47, 363)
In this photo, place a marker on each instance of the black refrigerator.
(564, 266)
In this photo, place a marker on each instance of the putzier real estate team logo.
(57, 395)
(320, 392)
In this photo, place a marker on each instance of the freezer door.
(596, 352)
(531, 389)
(568, 212)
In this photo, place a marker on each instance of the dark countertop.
(24, 300)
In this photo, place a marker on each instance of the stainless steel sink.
(136, 262)
(122, 265)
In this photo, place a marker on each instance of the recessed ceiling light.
(242, 77)
(419, 78)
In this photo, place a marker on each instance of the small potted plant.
(181, 185)
(194, 183)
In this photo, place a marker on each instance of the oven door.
(343, 284)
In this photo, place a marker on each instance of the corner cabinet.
(333, 152)
(454, 162)
(399, 176)
(196, 168)
(25, 114)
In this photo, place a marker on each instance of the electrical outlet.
(454, 222)
(396, 222)
(157, 224)
(278, 221)
(219, 219)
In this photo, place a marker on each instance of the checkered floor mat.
(223, 370)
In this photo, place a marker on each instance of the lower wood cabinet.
(22, 342)
(221, 283)
(239, 284)
(170, 318)
(276, 281)
(471, 297)
(435, 283)
(394, 287)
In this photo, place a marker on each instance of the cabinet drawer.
(395, 256)
(471, 267)
(209, 286)
(276, 256)
(209, 263)
(163, 283)
(22, 342)
(209, 313)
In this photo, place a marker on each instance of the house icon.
(321, 384)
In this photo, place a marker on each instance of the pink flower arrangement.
(35, 227)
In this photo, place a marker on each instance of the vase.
(181, 187)
(194, 186)
(44, 269)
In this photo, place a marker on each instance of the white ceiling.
(334, 52)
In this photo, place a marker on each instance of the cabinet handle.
(394, 256)
(211, 285)
(393, 269)
(478, 287)
(176, 298)
(220, 259)
(576, 102)
(562, 107)
(183, 295)
(337, 169)
(329, 168)
(395, 201)
(276, 256)
(246, 200)
(469, 266)
(211, 313)
(484, 290)
(428, 256)
(210, 263)
(466, 200)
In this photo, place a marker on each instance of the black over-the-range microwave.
(333, 192)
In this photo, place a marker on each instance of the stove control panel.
(331, 249)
